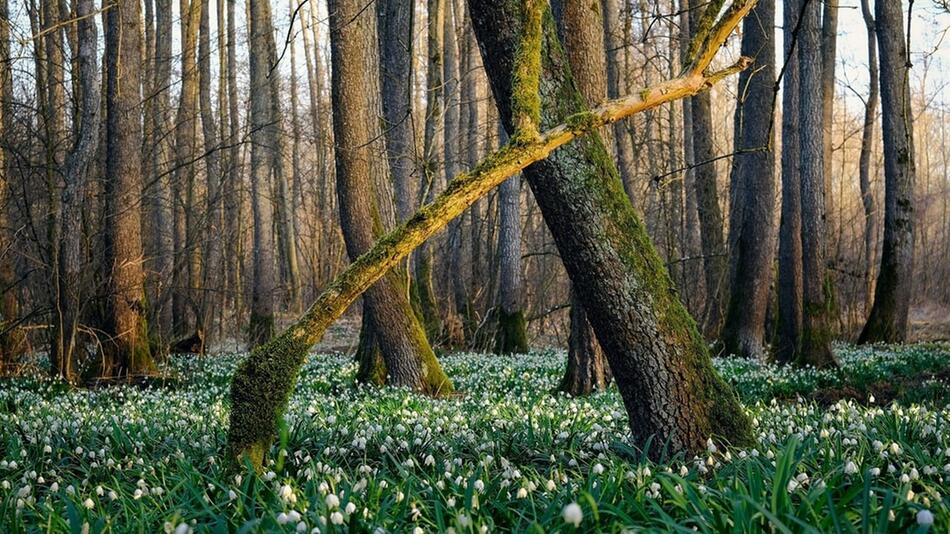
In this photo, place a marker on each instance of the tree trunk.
(263, 382)
(233, 199)
(616, 85)
(395, 51)
(580, 28)
(694, 291)
(888, 319)
(127, 353)
(752, 191)
(264, 132)
(789, 330)
(829, 45)
(661, 364)
(511, 335)
(214, 217)
(78, 165)
(815, 344)
(864, 160)
(705, 180)
(408, 357)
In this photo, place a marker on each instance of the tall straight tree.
(616, 85)
(211, 251)
(815, 345)
(705, 180)
(789, 329)
(581, 28)
(888, 319)
(127, 354)
(829, 47)
(659, 360)
(78, 166)
(864, 160)
(752, 191)
(264, 131)
(362, 167)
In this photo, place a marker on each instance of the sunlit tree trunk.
(888, 319)
(864, 160)
(362, 168)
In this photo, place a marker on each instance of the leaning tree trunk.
(752, 190)
(78, 166)
(815, 347)
(262, 384)
(705, 180)
(127, 353)
(660, 362)
(580, 27)
(410, 361)
(888, 319)
(264, 131)
(864, 160)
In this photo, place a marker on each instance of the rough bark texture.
(78, 163)
(695, 294)
(580, 27)
(263, 129)
(511, 336)
(705, 180)
(262, 384)
(815, 348)
(864, 160)
(395, 52)
(408, 357)
(888, 319)
(789, 329)
(214, 219)
(616, 85)
(752, 191)
(661, 363)
(127, 353)
(829, 45)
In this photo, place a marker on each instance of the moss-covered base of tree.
(260, 329)
(372, 368)
(815, 348)
(511, 336)
(883, 326)
(260, 390)
(423, 296)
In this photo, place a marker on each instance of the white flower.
(336, 518)
(572, 514)
(332, 501)
(925, 518)
(417, 530)
(350, 508)
(182, 528)
(88, 504)
(282, 518)
(850, 468)
(522, 493)
(598, 469)
(479, 485)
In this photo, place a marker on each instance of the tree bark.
(789, 330)
(864, 160)
(127, 353)
(815, 348)
(705, 180)
(616, 85)
(78, 166)
(263, 382)
(694, 294)
(410, 361)
(660, 362)
(580, 27)
(888, 319)
(829, 45)
(264, 132)
(752, 190)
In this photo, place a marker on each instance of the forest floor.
(865, 448)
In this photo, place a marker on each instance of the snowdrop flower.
(925, 518)
(522, 493)
(282, 518)
(479, 485)
(572, 514)
(875, 471)
(850, 468)
(336, 518)
(332, 501)
(183, 528)
(417, 530)
(598, 469)
(88, 504)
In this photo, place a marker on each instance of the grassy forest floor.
(862, 449)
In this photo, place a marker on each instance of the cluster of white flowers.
(396, 461)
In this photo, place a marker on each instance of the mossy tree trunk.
(127, 353)
(660, 362)
(263, 382)
(587, 369)
(752, 192)
(361, 169)
(888, 319)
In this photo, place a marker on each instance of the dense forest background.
(232, 207)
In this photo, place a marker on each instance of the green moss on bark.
(260, 329)
(512, 334)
